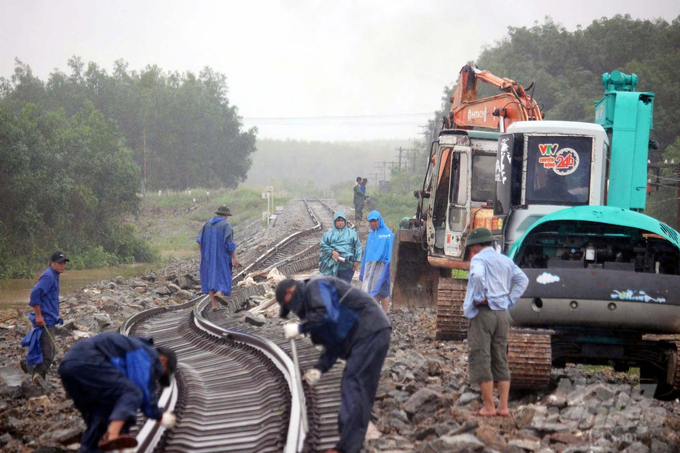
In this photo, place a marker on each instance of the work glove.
(312, 377)
(169, 419)
(291, 330)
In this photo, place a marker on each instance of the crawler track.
(236, 390)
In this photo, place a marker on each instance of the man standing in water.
(218, 255)
(44, 318)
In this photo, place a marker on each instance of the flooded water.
(16, 293)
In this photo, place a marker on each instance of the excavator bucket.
(415, 281)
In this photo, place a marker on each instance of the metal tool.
(298, 382)
(52, 338)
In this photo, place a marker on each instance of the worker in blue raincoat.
(375, 266)
(111, 376)
(44, 318)
(340, 250)
(218, 255)
(351, 326)
(360, 197)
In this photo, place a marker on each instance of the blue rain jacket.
(135, 358)
(46, 294)
(337, 326)
(217, 245)
(344, 241)
(375, 267)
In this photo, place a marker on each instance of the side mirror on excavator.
(421, 194)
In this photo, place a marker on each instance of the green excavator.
(566, 204)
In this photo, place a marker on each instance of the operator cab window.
(558, 170)
(483, 183)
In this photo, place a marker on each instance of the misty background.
(101, 102)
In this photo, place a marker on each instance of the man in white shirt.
(495, 284)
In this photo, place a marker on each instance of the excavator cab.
(465, 184)
(457, 192)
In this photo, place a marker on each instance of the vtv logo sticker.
(548, 149)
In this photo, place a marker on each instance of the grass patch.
(172, 221)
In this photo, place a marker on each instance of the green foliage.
(191, 133)
(567, 67)
(182, 217)
(65, 183)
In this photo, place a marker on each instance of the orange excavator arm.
(495, 112)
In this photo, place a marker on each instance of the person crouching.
(109, 377)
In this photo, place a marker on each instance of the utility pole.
(144, 181)
(401, 150)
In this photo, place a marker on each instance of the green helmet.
(479, 236)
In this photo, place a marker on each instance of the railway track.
(235, 388)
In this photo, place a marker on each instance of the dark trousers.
(359, 211)
(359, 385)
(49, 350)
(98, 390)
(346, 275)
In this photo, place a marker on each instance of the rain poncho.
(217, 245)
(46, 294)
(345, 242)
(109, 377)
(375, 268)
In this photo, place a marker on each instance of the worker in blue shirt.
(495, 284)
(350, 325)
(109, 377)
(44, 317)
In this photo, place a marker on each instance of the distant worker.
(363, 185)
(218, 255)
(351, 326)
(375, 265)
(495, 284)
(109, 377)
(44, 318)
(340, 250)
(359, 198)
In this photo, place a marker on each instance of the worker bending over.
(350, 325)
(109, 377)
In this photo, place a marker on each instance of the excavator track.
(530, 358)
(451, 324)
(674, 368)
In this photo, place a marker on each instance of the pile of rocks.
(425, 404)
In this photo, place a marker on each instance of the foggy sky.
(297, 60)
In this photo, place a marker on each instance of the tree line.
(73, 150)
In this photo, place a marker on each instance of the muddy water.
(15, 293)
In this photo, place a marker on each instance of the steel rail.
(284, 242)
(280, 245)
(297, 428)
(151, 431)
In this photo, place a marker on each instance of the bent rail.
(297, 428)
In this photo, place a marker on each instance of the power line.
(393, 115)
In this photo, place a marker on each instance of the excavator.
(456, 196)
(493, 113)
(565, 202)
